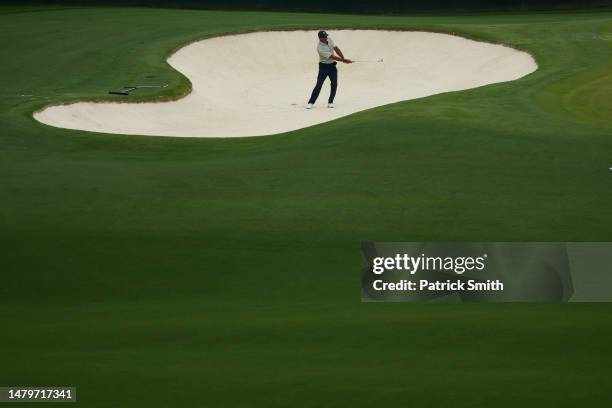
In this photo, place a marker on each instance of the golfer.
(329, 53)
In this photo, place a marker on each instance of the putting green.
(155, 272)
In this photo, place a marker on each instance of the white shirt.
(325, 51)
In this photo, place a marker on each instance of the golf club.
(380, 60)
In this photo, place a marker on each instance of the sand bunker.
(258, 84)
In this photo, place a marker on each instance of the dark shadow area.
(340, 6)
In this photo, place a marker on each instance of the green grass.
(225, 273)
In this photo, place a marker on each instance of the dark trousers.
(325, 70)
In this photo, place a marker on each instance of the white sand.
(258, 84)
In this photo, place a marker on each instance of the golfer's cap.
(322, 34)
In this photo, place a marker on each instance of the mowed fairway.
(159, 272)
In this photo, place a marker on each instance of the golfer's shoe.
(309, 106)
(330, 105)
